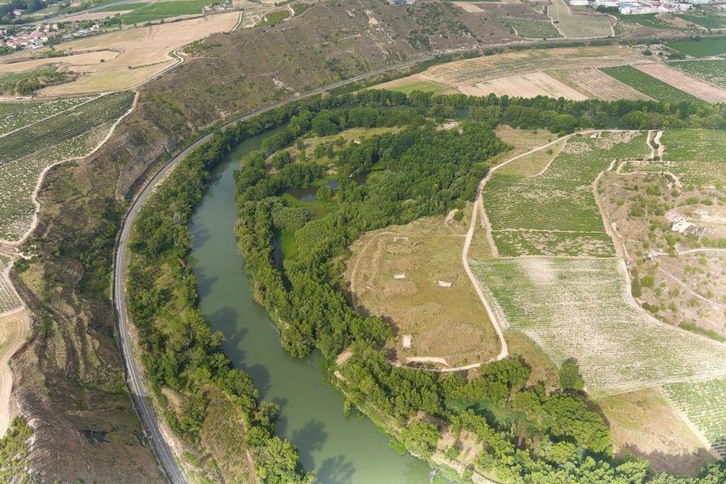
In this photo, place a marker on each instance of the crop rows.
(16, 115)
(58, 129)
(711, 71)
(533, 28)
(576, 25)
(704, 403)
(695, 156)
(559, 203)
(8, 299)
(25, 154)
(582, 308)
(648, 85)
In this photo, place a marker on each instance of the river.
(339, 449)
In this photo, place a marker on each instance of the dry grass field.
(13, 331)
(416, 82)
(523, 73)
(595, 84)
(123, 59)
(645, 424)
(444, 322)
(684, 82)
(527, 85)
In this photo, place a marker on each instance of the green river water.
(339, 449)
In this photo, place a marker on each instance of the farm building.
(579, 3)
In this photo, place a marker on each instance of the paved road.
(139, 395)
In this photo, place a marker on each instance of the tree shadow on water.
(308, 439)
(336, 470)
(205, 283)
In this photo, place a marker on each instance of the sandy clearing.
(149, 47)
(469, 7)
(596, 84)
(528, 85)
(684, 82)
(13, 331)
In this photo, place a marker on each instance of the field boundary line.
(41, 177)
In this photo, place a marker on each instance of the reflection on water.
(339, 449)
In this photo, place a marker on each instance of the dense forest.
(411, 170)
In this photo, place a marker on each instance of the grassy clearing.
(161, 10)
(425, 251)
(27, 152)
(416, 82)
(711, 71)
(696, 156)
(649, 85)
(16, 115)
(582, 308)
(556, 213)
(532, 28)
(699, 48)
(704, 403)
(645, 424)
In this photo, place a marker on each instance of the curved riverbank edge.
(130, 352)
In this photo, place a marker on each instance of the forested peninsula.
(523, 431)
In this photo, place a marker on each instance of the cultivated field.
(582, 308)
(595, 84)
(695, 156)
(555, 212)
(9, 300)
(575, 25)
(126, 58)
(648, 85)
(711, 71)
(528, 85)
(533, 28)
(395, 273)
(14, 329)
(645, 424)
(25, 154)
(15, 115)
(684, 82)
(701, 48)
(159, 10)
(704, 403)
(462, 75)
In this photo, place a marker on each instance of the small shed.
(407, 340)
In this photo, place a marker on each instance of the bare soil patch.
(13, 331)
(595, 84)
(469, 7)
(643, 423)
(444, 322)
(127, 58)
(528, 85)
(684, 82)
